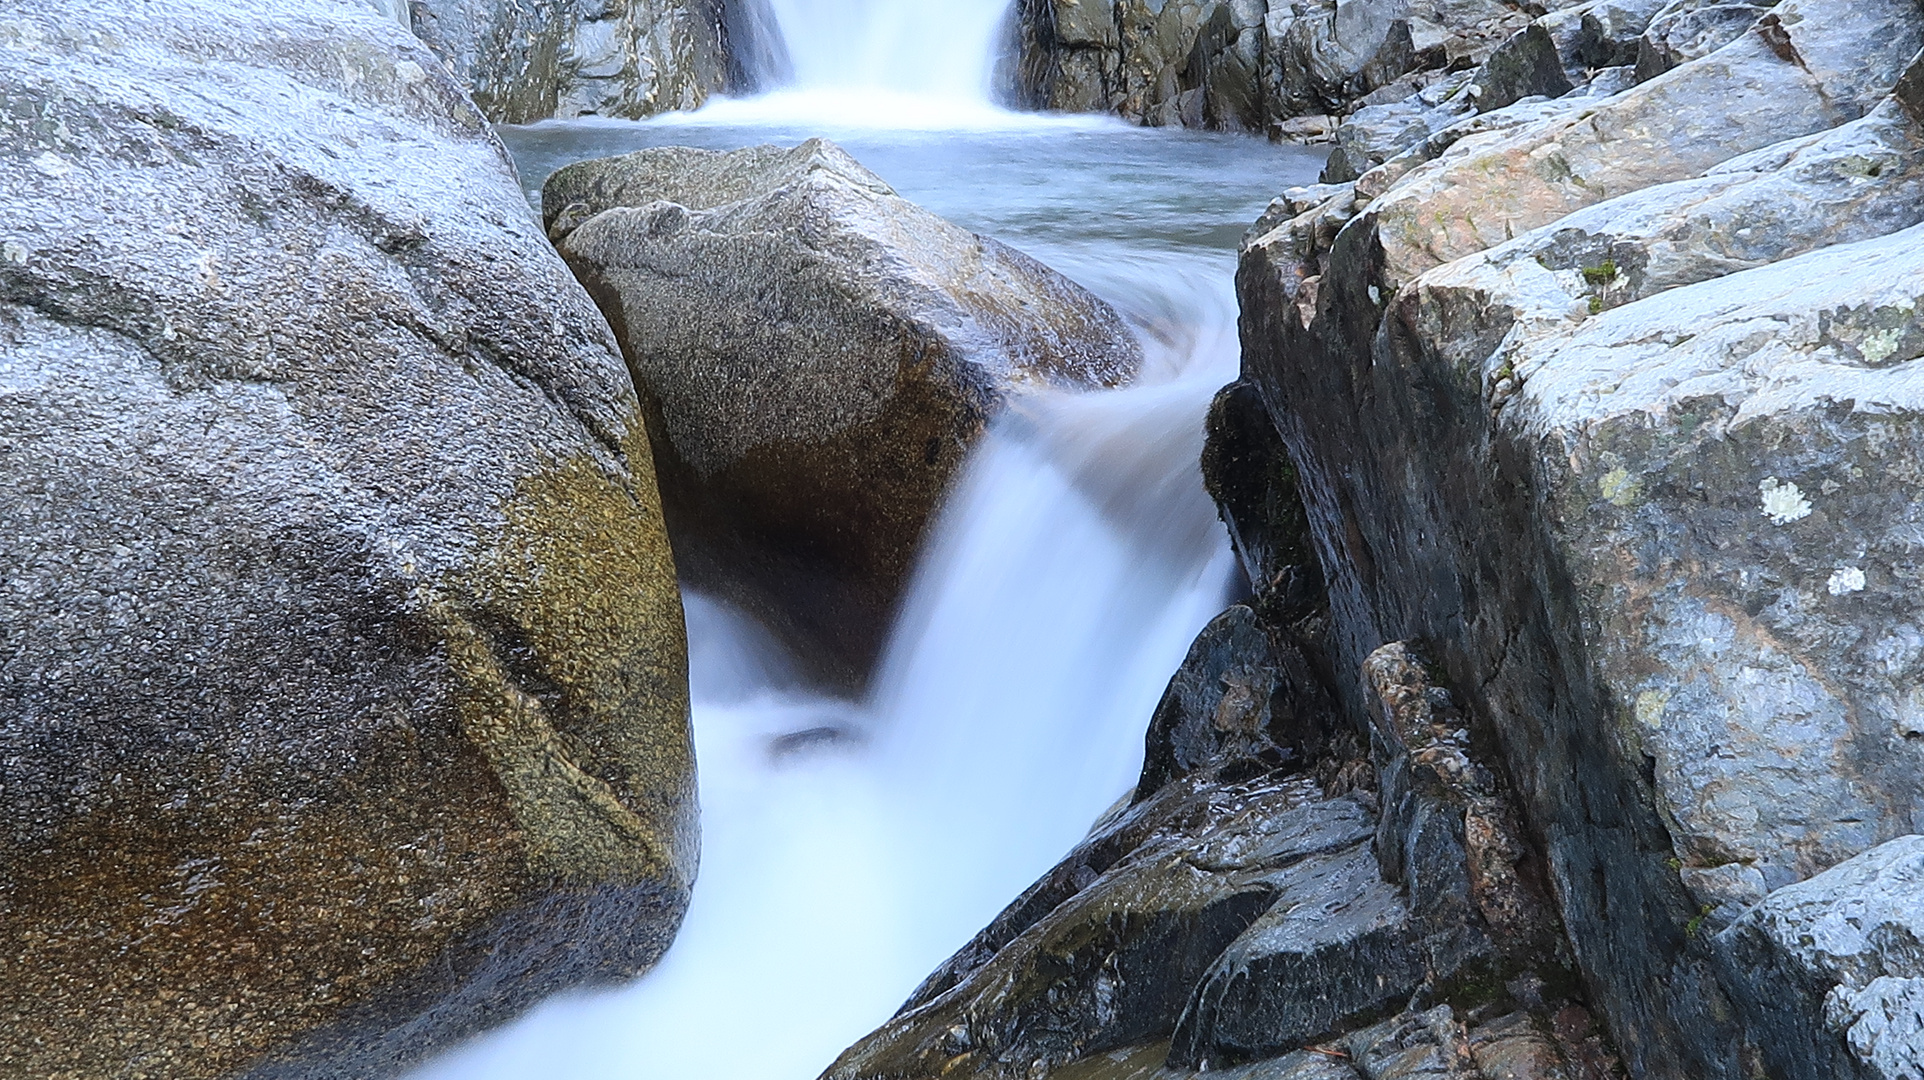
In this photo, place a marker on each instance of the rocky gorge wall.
(1607, 400)
(620, 58)
(1251, 65)
(1300, 68)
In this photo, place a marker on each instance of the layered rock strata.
(816, 355)
(343, 698)
(1608, 399)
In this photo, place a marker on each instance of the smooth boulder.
(816, 355)
(343, 708)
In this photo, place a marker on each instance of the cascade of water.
(936, 50)
(850, 847)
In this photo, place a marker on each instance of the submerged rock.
(1611, 408)
(816, 354)
(343, 707)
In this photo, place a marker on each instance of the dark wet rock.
(1449, 833)
(343, 707)
(1247, 473)
(1114, 963)
(816, 355)
(1450, 898)
(1610, 32)
(1833, 968)
(1527, 65)
(1244, 698)
(1229, 919)
(1656, 553)
(1338, 945)
(536, 59)
(1542, 1043)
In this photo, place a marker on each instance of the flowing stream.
(850, 847)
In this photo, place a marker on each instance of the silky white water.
(850, 847)
(938, 50)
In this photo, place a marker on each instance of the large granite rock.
(343, 701)
(816, 354)
(527, 60)
(1611, 407)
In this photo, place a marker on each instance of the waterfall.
(922, 48)
(849, 847)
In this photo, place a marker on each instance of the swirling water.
(850, 847)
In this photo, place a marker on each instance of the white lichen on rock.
(1783, 501)
(1847, 580)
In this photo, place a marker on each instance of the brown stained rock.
(344, 707)
(816, 355)
(1425, 754)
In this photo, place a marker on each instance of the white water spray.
(878, 63)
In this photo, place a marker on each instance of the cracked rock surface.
(1610, 403)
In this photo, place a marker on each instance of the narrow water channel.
(849, 847)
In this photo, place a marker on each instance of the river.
(849, 847)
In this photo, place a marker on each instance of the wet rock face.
(566, 58)
(1241, 696)
(1608, 405)
(817, 354)
(1115, 963)
(344, 702)
(1241, 911)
